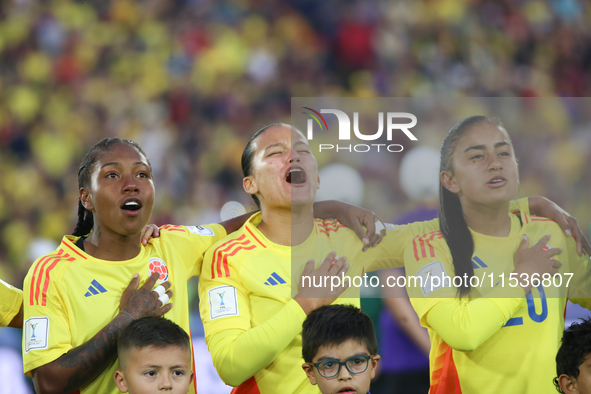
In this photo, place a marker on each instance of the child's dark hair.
(331, 325)
(152, 331)
(248, 155)
(576, 346)
(85, 218)
(452, 224)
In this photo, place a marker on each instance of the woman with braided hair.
(79, 298)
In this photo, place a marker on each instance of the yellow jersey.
(497, 340)
(70, 295)
(11, 300)
(252, 325)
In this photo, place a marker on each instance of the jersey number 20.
(531, 309)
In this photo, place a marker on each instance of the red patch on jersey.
(158, 265)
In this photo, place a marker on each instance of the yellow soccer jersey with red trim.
(252, 325)
(70, 296)
(11, 300)
(494, 345)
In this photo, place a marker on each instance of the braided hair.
(85, 217)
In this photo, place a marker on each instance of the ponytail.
(85, 221)
(457, 235)
(452, 223)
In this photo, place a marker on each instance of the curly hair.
(575, 348)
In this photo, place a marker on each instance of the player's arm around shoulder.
(398, 237)
(538, 226)
(192, 239)
(407, 232)
(575, 271)
(190, 242)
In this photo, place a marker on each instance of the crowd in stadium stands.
(191, 80)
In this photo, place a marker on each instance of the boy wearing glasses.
(339, 347)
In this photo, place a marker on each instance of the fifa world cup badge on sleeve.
(200, 230)
(431, 277)
(158, 265)
(36, 333)
(222, 302)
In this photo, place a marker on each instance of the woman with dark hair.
(499, 335)
(252, 324)
(79, 298)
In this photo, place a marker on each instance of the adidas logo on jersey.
(94, 289)
(477, 263)
(274, 280)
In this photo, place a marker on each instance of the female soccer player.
(78, 299)
(252, 324)
(500, 336)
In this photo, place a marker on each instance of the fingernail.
(549, 235)
(568, 232)
(136, 276)
(524, 237)
(560, 250)
(365, 241)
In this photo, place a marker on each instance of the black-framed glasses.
(331, 367)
